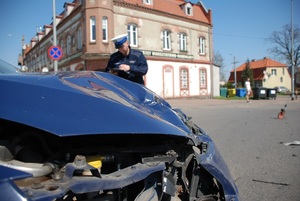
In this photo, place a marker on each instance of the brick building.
(174, 35)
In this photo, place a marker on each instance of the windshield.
(6, 68)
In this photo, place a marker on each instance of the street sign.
(55, 52)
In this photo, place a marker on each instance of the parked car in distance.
(281, 89)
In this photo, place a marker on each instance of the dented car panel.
(84, 99)
(94, 136)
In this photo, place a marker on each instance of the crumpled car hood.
(105, 104)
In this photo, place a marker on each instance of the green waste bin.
(223, 92)
(231, 92)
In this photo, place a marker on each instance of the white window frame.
(104, 29)
(148, 2)
(79, 38)
(69, 44)
(182, 42)
(184, 78)
(62, 45)
(203, 79)
(202, 45)
(188, 9)
(93, 29)
(132, 32)
(166, 39)
(273, 72)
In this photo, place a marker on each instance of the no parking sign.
(55, 52)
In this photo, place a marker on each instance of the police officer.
(127, 63)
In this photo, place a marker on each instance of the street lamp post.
(234, 62)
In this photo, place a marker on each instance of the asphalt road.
(252, 140)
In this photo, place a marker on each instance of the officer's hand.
(124, 67)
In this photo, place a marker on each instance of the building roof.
(258, 67)
(175, 7)
(263, 63)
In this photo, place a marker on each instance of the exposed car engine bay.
(107, 167)
(92, 136)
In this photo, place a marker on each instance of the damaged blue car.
(93, 136)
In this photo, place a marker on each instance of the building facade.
(174, 35)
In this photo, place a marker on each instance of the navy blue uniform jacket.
(137, 62)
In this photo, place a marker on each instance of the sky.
(240, 27)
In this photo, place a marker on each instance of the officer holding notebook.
(127, 63)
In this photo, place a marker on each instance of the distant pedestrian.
(127, 63)
(248, 89)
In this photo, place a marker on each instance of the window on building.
(79, 38)
(201, 45)
(184, 78)
(46, 58)
(283, 71)
(69, 44)
(166, 40)
(148, 2)
(92, 29)
(104, 29)
(189, 9)
(273, 72)
(132, 34)
(182, 42)
(203, 79)
(281, 79)
(62, 45)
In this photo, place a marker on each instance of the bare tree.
(283, 45)
(219, 61)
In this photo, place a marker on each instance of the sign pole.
(54, 33)
(292, 53)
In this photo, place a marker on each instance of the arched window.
(132, 35)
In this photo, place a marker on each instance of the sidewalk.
(190, 102)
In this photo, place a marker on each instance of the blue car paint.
(8, 189)
(87, 103)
